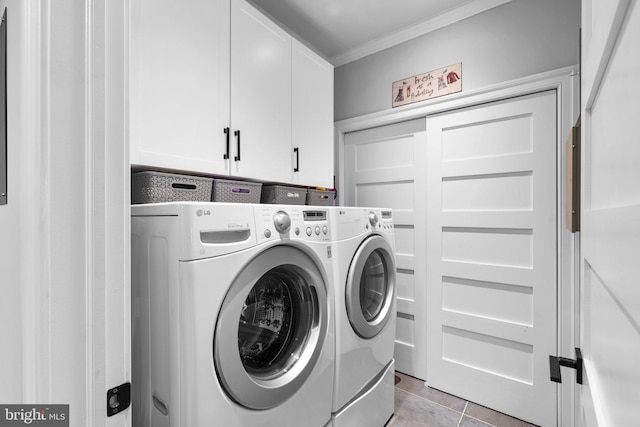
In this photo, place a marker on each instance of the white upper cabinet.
(179, 84)
(312, 130)
(218, 88)
(260, 95)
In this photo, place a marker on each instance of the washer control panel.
(282, 222)
(292, 222)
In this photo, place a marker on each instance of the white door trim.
(34, 277)
(74, 255)
(598, 51)
(107, 205)
(601, 39)
(566, 82)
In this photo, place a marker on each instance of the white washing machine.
(232, 315)
(364, 267)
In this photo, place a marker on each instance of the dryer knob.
(373, 219)
(282, 221)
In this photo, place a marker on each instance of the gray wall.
(518, 39)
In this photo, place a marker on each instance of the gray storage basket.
(228, 191)
(320, 197)
(283, 195)
(159, 187)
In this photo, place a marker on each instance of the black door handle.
(555, 363)
(297, 151)
(226, 132)
(237, 134)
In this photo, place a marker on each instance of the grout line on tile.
(487, 422)
(482, 421)
(465, 406)
(462, 414)
(428, 400)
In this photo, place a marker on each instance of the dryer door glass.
(373, 286)
(275, 322)
(370, 289)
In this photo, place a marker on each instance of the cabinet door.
(180, 84)
(312, 114)
(260, 95)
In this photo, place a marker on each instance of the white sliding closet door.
(382, 168)
(492, 255)
(610, 282)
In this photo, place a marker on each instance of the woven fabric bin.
(283, 195)
(319, 197)
(228, 191)
(159, 187)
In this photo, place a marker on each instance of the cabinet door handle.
(226, 132)
(237, 134)
(297, 151)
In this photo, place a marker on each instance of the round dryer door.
(371, 287)
(271, 328)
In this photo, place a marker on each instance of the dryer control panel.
(286, 222)
(353, 221)
(380, 220)
(386, 219)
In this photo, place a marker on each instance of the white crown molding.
(452, 16)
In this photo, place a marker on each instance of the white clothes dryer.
(364, 267)
(232, 315)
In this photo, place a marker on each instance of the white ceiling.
(346, 30)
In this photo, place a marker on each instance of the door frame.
(74, 308)
(566, 82)
(600, 42)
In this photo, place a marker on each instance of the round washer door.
(371, 287)
(271, 328)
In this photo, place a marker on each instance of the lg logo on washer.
(201, 212)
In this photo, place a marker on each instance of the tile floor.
(420, 406)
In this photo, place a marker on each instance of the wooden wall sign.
(433, 84)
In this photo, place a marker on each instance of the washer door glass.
(371, 287)
(275, 322)
(271, 328)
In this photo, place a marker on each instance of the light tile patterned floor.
(420, 406)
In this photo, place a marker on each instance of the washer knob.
(373, 219)
(282, 221)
